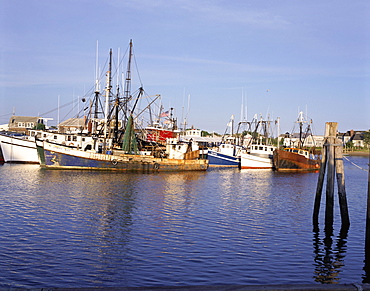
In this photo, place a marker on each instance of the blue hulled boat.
(225, 155)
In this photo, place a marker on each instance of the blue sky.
(282, 56)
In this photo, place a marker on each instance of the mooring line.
(355, 164)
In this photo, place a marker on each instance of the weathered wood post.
(320, 183)
(329, 209)
(339, 168)
(367, 239)
(332, 159)
(367, 233)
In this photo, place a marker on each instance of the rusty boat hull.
(54, 156)
(293, 162)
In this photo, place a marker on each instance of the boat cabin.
(262, 149)
(301, 152)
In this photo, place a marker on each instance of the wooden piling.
(341, 185)
(367, 239)
(332, 161)
(320, 183)
(329, 210)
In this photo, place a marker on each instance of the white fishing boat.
(258, 156)
(18, 148)
(260, 150)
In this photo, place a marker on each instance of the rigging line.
(103, 70)
(64, 105)
(117, 66)
(90, 91)
(137, 69)
(73, 108)
(5, 115)
(120, 63)
(355, 164)
(65, 116)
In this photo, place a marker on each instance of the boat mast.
(116, 105)
(127, 90)
(107, 94)
(232, 125)
(97, 89)
(278, 131)
(300, 121)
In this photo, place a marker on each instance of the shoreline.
(357, 153)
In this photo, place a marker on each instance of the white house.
(292, 140)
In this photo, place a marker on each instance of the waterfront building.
(292, 140)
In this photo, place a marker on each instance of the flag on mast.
(165, 114)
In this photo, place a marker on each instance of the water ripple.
(64, 228)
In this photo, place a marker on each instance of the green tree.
(367, 138)
(206, 133)
(39, 126)
(281, 141)
(349, 145)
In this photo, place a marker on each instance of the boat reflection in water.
(214, 227)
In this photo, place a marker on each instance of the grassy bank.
(357, 153)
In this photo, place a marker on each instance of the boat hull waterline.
(54, 156)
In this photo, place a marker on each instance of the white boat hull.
(250, 161)
(18, 150)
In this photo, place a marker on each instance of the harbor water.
(63, 228)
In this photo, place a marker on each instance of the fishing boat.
(227, 153)
(119, 144)
(296, 158)
(178, 157)
(16, 143)
(18, 148)
(54, 156)
(259, 154)
(21, 148)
